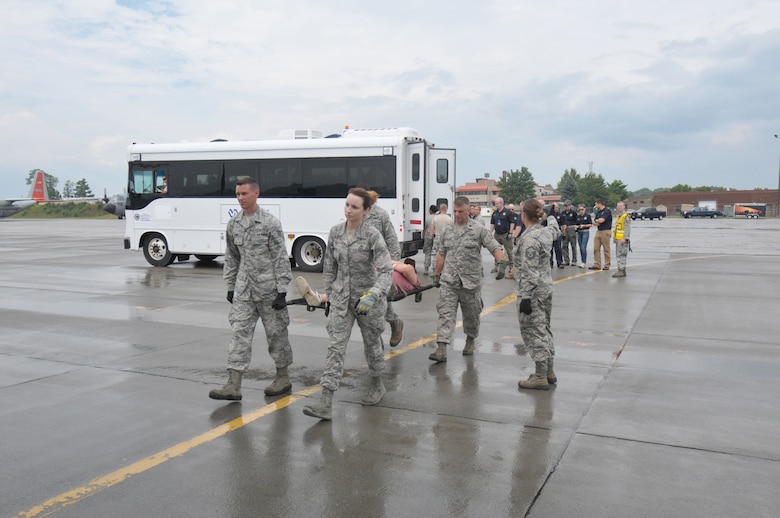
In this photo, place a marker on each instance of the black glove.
(327, 308)
(230, 296)
(280, 302)
(525, 306)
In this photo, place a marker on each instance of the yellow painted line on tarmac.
(73, 496)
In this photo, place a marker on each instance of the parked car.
(702, 212)
(648, 213)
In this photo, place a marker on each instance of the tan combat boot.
(468, 349)
(537, 380)
(375, 392)
(322, 409)
(396, 332)
(281, 383)
(619, 273)
(231, 391)
(551, 377)
(440, 356)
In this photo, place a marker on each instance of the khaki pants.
(603, 240)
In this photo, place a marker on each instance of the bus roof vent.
(300, 134)
(382, 132)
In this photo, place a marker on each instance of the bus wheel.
(156, 251)
(309, 253)
(205, 258)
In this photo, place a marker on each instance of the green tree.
(82, 189)
(50, 181)
(568, 186)
(681, 187)
(644, 191)
(517, 186)
(68, 189)
(617, 192)
(591, 187)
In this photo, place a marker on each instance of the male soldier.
(440, 221)
(428, 239)
(380, 220)
(502, 224)
(459, 274)
(569, 230)
(622, 233)
(257, 272)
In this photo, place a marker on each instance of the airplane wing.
(10, 206)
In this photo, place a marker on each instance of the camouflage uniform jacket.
(379, 219)
(462, 250)
(532, 260)
(356, 264)
(256, 261)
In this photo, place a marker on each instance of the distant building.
(482, 192)
(678, 202)
(637, 202)
(543, 190)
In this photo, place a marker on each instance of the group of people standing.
(362, 266)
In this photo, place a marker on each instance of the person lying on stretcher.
(405, 279)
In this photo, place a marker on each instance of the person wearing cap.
(569, 230)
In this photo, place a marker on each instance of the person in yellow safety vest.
(622, 233)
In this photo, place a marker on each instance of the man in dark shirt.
(502, 224)
(603, 221)
(569, 234)
(556, 245)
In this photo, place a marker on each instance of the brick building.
(677, 202)
(482, 192)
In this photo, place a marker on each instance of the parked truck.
(702, 212)
(648, 213)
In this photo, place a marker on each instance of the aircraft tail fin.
(38, 192)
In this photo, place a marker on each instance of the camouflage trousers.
(506, 241)
(243, 320)
(427, 252)
(390, 314)
(535, 329)
(570, 242)
(450, 295)
(340, 324)
(621, 250)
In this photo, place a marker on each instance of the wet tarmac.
(667, 402)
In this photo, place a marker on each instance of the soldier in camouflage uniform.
(257, 272)
(357, 273)
(534, 290)
(380, 220)
(459, 275)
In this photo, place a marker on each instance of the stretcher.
(417, 292)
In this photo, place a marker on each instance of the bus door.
(440, 186)
(412, 179)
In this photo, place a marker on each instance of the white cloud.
(654, 93)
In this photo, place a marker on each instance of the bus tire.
(205, 258)
(156, 250)
(309, 253)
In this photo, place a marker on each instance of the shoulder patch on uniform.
(530, 253)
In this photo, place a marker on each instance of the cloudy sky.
(650, 93)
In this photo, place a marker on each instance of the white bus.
(181, 196)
